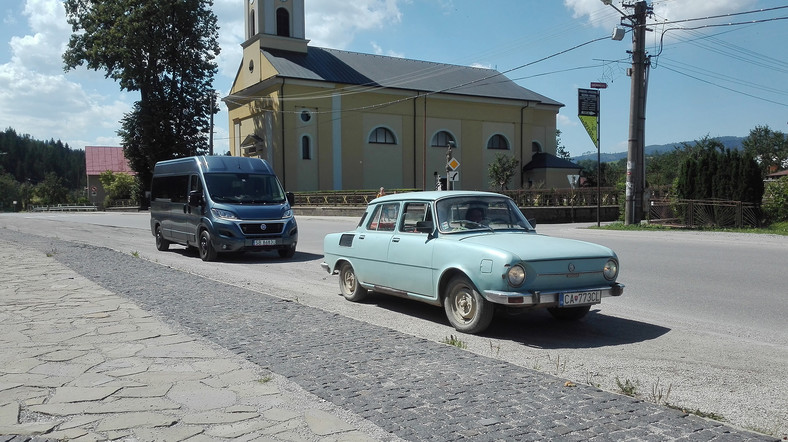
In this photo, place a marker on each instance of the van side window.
(170, 188)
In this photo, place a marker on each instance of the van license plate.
(264, 242)
(579, 298)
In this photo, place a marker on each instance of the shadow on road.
(537, 328)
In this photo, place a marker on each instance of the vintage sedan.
(470, 252)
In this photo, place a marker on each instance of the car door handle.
(361, 237)
(395, 239)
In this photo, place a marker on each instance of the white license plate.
(579, 298)
(264, 242)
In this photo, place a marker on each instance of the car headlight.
(226, 214)
(611, 270)
(287, 213)
(516, 275)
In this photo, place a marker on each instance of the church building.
(328, 119)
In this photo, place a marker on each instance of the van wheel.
(161, 243)
(207, 252)
(288, 252)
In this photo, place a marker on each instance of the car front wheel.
(207, 252)
(467, 310)
(349, 285)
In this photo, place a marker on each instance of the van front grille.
(262, 228)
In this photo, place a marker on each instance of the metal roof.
(543, 160)
(99, 159)
(354, 68)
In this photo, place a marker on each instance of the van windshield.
(244, 188)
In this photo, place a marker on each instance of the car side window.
(413, 213)
(384, 218)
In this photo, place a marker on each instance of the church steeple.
(275, 24)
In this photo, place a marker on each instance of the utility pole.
(636, 156)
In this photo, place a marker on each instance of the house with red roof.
(99, 159)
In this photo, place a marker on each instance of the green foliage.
(768, 147)
(560, 149)
(50, 191)
(502, 170)
(119, 186)
(775, 200)
(612, 173)
(709, 172)
(166, 51)
(29, 160)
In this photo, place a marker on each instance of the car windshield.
(479, 213)
(244, 188)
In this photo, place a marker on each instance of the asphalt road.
(700, 326)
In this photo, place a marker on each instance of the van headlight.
(226, 214)
(611, 270)
(516, 275)
(287, 214)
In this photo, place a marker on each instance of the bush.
(775, 200)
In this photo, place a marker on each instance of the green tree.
(502, 170)
(769, 148)
(560, 149)
(119, 186)
(166, 51)
(51, 191)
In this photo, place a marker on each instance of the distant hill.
(733, 143)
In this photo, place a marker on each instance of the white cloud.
(335, 23)
(603, 16)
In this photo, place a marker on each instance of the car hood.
(530, 246)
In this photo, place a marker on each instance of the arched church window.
(306, 148)
(251, 23)
(381, 135)
(498, 141)
(282, 22)
(442, 138)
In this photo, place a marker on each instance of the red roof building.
(99, 159)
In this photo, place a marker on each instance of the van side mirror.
(290, 198)
(195, 198)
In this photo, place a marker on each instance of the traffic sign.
(453, 164)
(454, 176)
(598, 85)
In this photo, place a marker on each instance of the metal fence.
(523, 198)
(703, 213)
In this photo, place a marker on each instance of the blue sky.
(717, 81)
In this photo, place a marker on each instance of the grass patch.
(697, 412)
(455, 341)
(773, 229)
(627, 387)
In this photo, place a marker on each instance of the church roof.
(544, 160)
(354, 68)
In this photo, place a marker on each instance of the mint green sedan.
(470, 252)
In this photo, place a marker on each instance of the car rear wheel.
(467, 310)
(161, 243)
(349, 285)
(207, 252)
(570, 313)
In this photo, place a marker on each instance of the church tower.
(275, 24)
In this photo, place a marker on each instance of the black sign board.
(588, 102)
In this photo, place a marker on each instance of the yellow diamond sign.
(454, 164)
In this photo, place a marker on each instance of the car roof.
(433, 195)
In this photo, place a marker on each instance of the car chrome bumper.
(325, 267)
(536, 297)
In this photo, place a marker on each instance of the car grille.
(258, 229)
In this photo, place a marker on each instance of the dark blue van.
(221, 204)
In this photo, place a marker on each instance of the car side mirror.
(290, 198)
(425, 226)
(195, 198)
